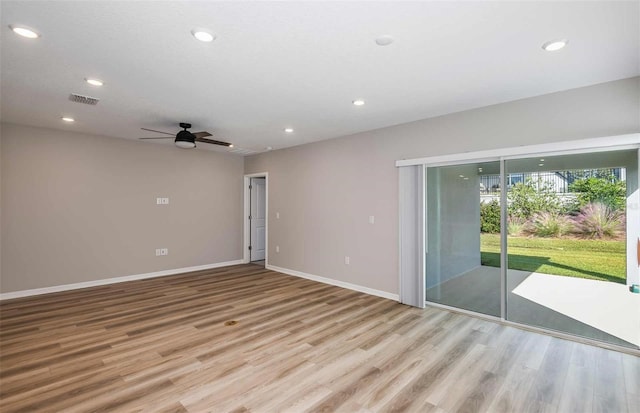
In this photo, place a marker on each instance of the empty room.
(291, 206)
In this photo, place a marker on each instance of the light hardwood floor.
(161, 345)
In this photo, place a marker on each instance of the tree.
(528, 198)
(490, 217)
(609, 191)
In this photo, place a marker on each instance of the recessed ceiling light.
(540, 164)
(384, 40)
(203, 35)
(24, 32)
(231, 145)
(94, 82)
(461, 176)
(358, 102)
(268, 148)
(288, 130)
(466, 179)
(68, 119)
(554, 45)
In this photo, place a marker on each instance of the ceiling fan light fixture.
(185, 139)
(185, 144)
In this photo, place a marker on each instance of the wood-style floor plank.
(162, 345)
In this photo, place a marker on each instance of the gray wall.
(326, 191)
(81, 208)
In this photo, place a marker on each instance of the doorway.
(255, 234)
(547, 241)
(567, 236)
(257, 219)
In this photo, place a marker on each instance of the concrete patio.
(598, 310)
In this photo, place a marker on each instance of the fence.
(559, 181)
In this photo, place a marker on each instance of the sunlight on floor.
(609, 307)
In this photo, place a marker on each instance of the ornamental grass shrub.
(549, 224)
(515, 226)
(598, 220)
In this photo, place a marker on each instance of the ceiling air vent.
(87, 100)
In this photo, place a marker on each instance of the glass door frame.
(425, 226)
(614, 143)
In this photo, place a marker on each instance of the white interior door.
(257, 218)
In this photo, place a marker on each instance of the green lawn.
(594, 259)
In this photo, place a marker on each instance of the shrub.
(529, 198)
(549, 224)
(490, 217)
(571, 206)
(598, 220)
(605, 190)
(515, 226)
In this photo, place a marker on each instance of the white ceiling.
(298, 64)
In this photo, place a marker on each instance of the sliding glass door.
(566, 245)
(549, 242)
(458, 275)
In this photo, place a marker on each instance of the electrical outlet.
(277, 215)
(158, 201)
(347, 260)
(277, 248)
(162, 251)
(372, 219)
(162, 201)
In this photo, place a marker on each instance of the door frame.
(578, 146)
(572, 147)
(247, 211)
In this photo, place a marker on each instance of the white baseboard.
(337, 283)
(75, 286)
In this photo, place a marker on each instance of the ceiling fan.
(187, 140)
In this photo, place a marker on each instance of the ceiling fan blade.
(212, 141)
(158, 131)
(201, 134)
(162, 137)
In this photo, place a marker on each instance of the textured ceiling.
(298, 64)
